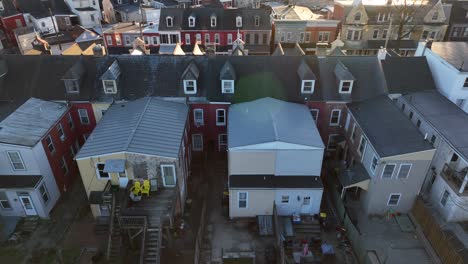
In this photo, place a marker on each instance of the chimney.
(98, 50)
(382, 54)
(427, 45)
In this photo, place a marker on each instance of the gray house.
(281, 162)
(387, 157)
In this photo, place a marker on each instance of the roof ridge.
(273, 123)
(130, 137)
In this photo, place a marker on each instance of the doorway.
(27, 204)
(306, 205)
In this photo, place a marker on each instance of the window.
(92, 17)
(168, 175)
(190, 86)
(382, 17)
(354, 35)
(375, 34)
(348, 120)
(418, 123)
(70, 121)
(373, 164)
(284, 199)
(60, 132)
(335, 117)
(198, 117)
(42, 24)
(384, 33)
(4, 202)
(169, 21)
(433, 35)
(256, 39)
(307, 37)
(222, 141)
(84, 119)
(100, 171)
(403, 106)
(109, 40)
(353, 133)
(247, 38)
(164, 39)
(16, 160)
(197, 142)
(357, 16)
(362, 145)
(191, 21)
(306, 200)
(435, 16)
(324, 36)
(411, 115)
(454, 158)
(387, 172)
(227, 86)
(257, 21)
(425, 34)
(146, 39)
(465, 84)
(117, 40)
(332, 142)
(229, 39)
(72, 86)
(1, 6)
(433, 139)
(50, 144)
(314, 113)
(404, 171)
(63, 165)
(289, 36)
(283, 37)
(216, 38)
(242, 199)
(187, 39)
(346, 86)
(220, 117)
(445, 197)
(207, 38)
(393, 199)
(238, 21)
(213, 21)
(198, 38)
(307, 86)
(127, 40)
(44, 193)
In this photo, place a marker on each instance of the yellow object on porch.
(136, 188)
(146, 188)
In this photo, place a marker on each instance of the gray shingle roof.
(272, 120)
(30, 122)
(387, 128)
(148, 126)
(455, 53)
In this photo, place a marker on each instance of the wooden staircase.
(115, 238)
(307, 229)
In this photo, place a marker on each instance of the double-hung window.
(168, 175)
(404, 171)
(445, 197)
(284, 199)
(314, 113)
(44, 193)
(229, 39)
(362, 145)
(242, 199)
(335, 117)
(4, 201)
(187, 39)
(197, 142)
(109, 86)
(50, 144)
(394, 199)
(100, 172)
(109, 40)
(388, 170)
(307, 86)
(60, 132)
(16, 160)
(220, 117)
(84, 119)
(222, 141)
(227, 86)
(190, 86)
(198, 117)
(373, 164)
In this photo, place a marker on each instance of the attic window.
(110, 86)
(435, 16)
(346, 86)
(213, 21)
(72, 86)
(191, 21)
(169, 21)
(357, 16)
(308, 86)
(238, 21)
(190, 86)
(257, 21)
(227, 86)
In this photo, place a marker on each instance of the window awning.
(114, 165)
(355, 176)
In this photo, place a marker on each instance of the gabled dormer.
(169, 21)
(358, 14)
(110, 78)
(189, 78)
(73, 78)
(307, 77)
(238, 21)
(227, 76)
(436, 14)
(345, 79)
(191, 21)
(213, 20)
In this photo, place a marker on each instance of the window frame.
(98, 174)
(217, 39)
(375, 36)
(372, 167)
(11, 161)
(70, 122)
(72, 86)
(187, 85)
(220, 143)
(213, 21)
(187, 39)
(357, 16)
(246, 200)
(194, 148)
(393, 171)
(316, 110)
(227, 90)
(353, 132)
(5, 200)
(465, 84)
(61, 132)
(257, 21)
(195, 120)
(390, 198)
(191, 21)
(220, 110)
(44, 192)
(288, 199)
(109, 40)
(49, 144)
(342, 85)
(303, 86)
(238, 21)
(109, 89)
(229, 39)
(337, 123)
(162, 166)
(171, 19)
(399, 170)
(207, 38)
(361, 144)
(84, 110)
(443, 199)
(329, 140)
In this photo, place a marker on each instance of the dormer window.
(191, 21)
(169, 21)
(72, 86)
(190, 86)
(227, 86)
(435, 16)
(238, 21)
(346, 86)
(213, 21)
(110, 87)
(257, 21)
(357, 16)
(308, 86)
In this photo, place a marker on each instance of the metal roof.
(30, 122)
(270, 120)
(455, 53)
(148, 126)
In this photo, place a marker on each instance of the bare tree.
(403, 14)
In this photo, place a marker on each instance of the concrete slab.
(7, 226)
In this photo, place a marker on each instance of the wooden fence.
(447, 246)
(200, 234)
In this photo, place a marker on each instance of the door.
(27, 205)
(123, 179)
(306, 205)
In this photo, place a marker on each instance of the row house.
(440, 121)
(449, 67)
(121, 37)
(458, 30)
(135, 10)
(216, 28)
(365, 27)
(10, 19)
(298, 24)
(88, 12)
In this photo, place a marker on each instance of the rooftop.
(455, 53)
(147, 126)
(273, 181)
(273, 121)
(30, 122)
(387, 128)
(287, 12)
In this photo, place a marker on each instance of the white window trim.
(219, 141)
(224, 114)
(352, 132)
(372, 162)
(359, 146)
(118, 41)
(303, 86)
(229, 39)
(11, 162)
(201, 140)
(442, 197)
(162, 174)
(238, 21)
(191, 21)
(399, 169)
(318, 112)
(60, 128)
(70, 122)
(187, 39)
(350, 87)
(114, 88)
(393, 172)
(331, 117)
(169, 19)
(246, 200)
(45, 191)
(195, 117)
(8, 201)
(194, 86)
(328, 144)
(87, 116)
(109, 40)
(281, 199)
(51, 143)
(98, 175)
(213, 19)
(390, 196)
(223, 89)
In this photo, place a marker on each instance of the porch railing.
(457, 178)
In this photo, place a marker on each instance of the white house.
(275, 156)
(88, 11)
(448, 62)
